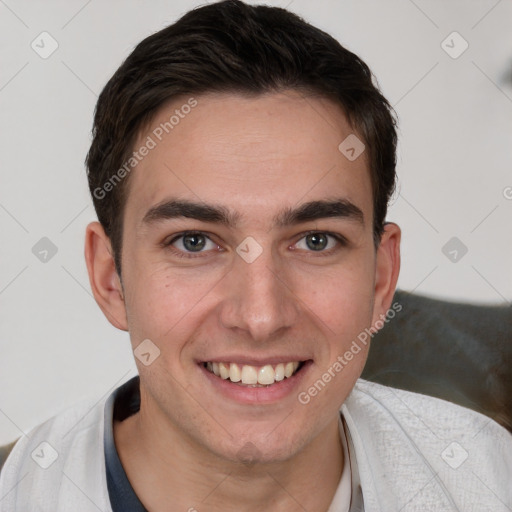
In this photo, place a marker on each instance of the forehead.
(255, 155)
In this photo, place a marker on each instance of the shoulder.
(59, 446)
(62, 423)
(424, 418)
(407, 407)
(408, 444)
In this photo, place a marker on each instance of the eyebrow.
(340, 208)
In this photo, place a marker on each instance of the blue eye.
(192, 244)
(319, 241)
(186, 244)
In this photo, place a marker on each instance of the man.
(241, 166)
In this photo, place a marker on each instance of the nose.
(258, 298)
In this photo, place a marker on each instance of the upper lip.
(255, 361)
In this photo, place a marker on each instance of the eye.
(320, 242)
(191, 242)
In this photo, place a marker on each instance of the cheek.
(345, 309)
(344, 304)
(167, 306)
(342, 298)
(159, 300)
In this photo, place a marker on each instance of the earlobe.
(103, 277)
(387, 268)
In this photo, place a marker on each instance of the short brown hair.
(230, 46)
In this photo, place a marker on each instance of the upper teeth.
(247, 374)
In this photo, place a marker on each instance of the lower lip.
(258, 395)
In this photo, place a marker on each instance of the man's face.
(261, 284)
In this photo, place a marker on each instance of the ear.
(387, 268)
(105, 282)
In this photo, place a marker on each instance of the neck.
(164, 465)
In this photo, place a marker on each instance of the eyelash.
(342, 241)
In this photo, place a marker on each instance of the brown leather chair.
(457, 352)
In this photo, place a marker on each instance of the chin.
(261, 448)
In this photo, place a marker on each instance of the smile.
(253, 376)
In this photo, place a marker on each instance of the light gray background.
(454, 169)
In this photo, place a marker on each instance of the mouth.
(250, 376)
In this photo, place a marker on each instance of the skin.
(189, 444)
